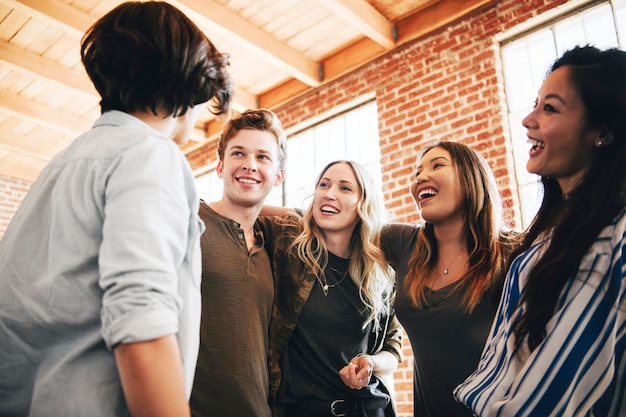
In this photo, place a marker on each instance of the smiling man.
(237, 286)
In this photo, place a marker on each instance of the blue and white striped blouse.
(580, 367)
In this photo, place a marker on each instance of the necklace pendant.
(325, 289)
(445, 271)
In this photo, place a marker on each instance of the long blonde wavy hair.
(368, 267)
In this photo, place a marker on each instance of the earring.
(604, 141)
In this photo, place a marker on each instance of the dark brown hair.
(149, 56)
(599, 78)
(487, 239)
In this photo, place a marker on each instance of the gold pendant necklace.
(325, 286)
(445, 266)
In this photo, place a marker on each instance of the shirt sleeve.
(396, 240)
(145, 236)
(579, 368)
(393, 338)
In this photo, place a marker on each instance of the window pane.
(594, 26)
(350, 135)
(300, 168)
(209, 187)
(525, 62)
(620, 13)
(330, 141)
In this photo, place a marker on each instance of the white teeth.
(427, 192)
(247, 181)
(329, 209)
(536, 143)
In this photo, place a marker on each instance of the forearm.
(384, 363)
(278, 211)
(152, 378)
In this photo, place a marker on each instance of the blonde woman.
(333, 331)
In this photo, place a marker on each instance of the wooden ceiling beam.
(57, 14)
(253, 39)
(26, 61)
(435, 16)
(48, 116)
(21, 151)
(25, 169)
(366, 19)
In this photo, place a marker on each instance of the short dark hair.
(149, 56)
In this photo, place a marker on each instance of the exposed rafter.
(285, 50)
(57, 14)
(37, 65)
(50, 117)
(253, 39)
(361, 15)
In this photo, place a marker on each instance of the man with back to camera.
(100, 266)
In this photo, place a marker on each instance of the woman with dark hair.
(449, 269)
(333, 333)
(558, 341)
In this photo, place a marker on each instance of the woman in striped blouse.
(558, 340)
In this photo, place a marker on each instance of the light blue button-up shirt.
(103, 250)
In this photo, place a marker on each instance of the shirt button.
(240, 235)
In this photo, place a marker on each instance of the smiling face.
(336, 200)
(436, 189)
(250, 168)
(562, 146)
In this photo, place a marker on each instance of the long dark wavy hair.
(599, 78)
(488, 238)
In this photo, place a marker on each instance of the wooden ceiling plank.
(27, 33)
(50, 117)
(365, 18)
(253, 39)
(244, 100)
(23, 60)
(21, 151)
(42, 43)
(57, 13)
(12, 23)
(19, 170)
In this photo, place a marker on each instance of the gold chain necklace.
(445, 266)
(325, 286)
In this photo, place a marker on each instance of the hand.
(358, 372)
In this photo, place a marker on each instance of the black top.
(327, 336)
(446, 340)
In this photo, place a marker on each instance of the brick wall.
(447, 85)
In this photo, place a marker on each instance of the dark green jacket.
(293, 283)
